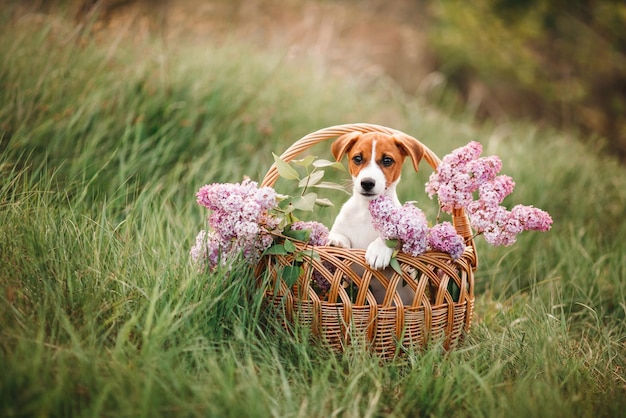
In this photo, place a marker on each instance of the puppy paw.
(338, 240)
(378, 254)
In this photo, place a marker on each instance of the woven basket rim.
(431, 257)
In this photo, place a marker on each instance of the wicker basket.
(341, 317)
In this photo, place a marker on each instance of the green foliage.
(102, 314)
(303, 200)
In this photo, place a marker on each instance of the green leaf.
(289, 208)
(331, 185)
(454, 290)
(306, 161)
(290, 274)
(285, 202)
(312, 179)
(306, 202)
(313, 255)
(321, 163)
(395, 264)
(323, 202)
(300, 235)
(291, 218)
(276, 249)
(284, 169)
(391, 243)
(289, 246)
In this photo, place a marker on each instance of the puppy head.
(375, 159)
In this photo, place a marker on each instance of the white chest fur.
(355, 223)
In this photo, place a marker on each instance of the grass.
(101, 314)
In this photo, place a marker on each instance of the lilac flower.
(239, 222)
(493, 223)
(319, 232)
(443, 237)
(501, 227)
(405, 223)
(408, 224)
(412, 230)
(483, 170)
(461, 174)
(385, 217)
(458, 159)
(484, 217)
(198, 251)
(532, 218)
(228, 197)
(207, 250)
(494, 191)
(456, 194)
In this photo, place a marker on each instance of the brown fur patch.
(386, 147)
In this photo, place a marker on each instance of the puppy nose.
(368, 184)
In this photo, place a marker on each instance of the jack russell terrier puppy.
(375, 164)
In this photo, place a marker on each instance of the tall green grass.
(102, 149)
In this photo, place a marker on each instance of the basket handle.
(459, 217)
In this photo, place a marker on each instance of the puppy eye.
(387, 161)
(357, 159)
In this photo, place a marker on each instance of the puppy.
(375, 163)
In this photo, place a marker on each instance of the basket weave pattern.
(340, 318)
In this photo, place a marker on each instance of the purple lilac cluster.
(443, 237)
(404, 223)
(240, 222)
(462, 174)
(408, 225)
(319, 232)
(500, 226)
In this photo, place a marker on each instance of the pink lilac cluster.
(500, 226)
(408, 225)
(443, 237)
(405, 223)
(239, 220)
(319, 232)
(462, 174)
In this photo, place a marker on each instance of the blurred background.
(561, 63)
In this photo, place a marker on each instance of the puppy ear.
(343, 144)
(411, 148)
